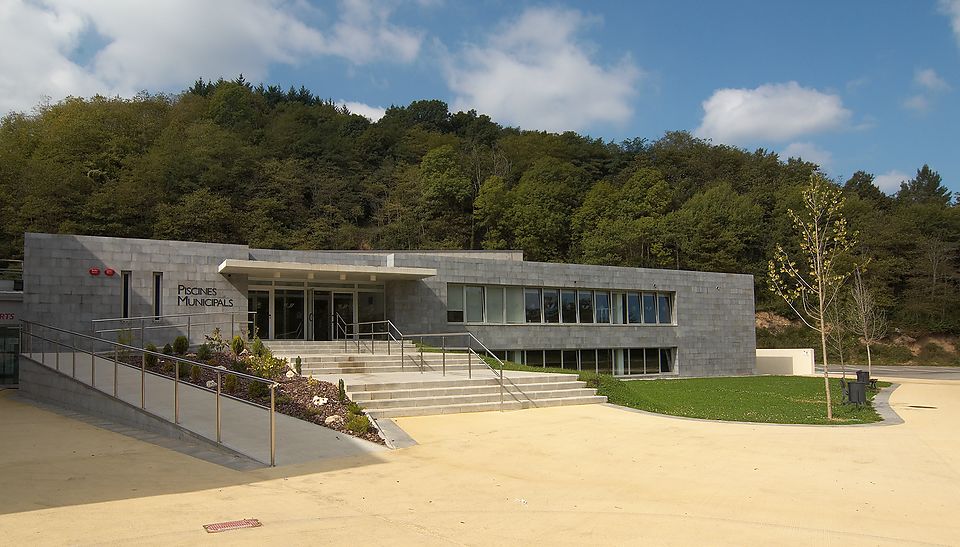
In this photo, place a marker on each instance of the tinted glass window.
(568, 306)
(664, 309)
(474, 298)
(633, 307)
(531, 299)
(586, 306)
(551, 306)
(494, 304)
(603, 307)
(649, 308)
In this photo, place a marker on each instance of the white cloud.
(890, 181)
(534, 72)
(951, 8)
(372, 113)
(917, 103)
(808, 151)
(166, 45)
(928, 79)
(777, 112)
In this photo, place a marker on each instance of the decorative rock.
(221, 367)
(211, 384)
(319, 401)
(291, 374)
(333, 420)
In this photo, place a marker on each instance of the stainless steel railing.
(149, 322)
(390, 335)
(32, 333)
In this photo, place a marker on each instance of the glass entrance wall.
(259, 302)
(288, 314)
(307, 310)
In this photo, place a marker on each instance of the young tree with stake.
(865, 317)
(812, 287)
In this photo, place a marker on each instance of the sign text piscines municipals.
(201, 297)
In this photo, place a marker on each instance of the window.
(604, 361)
(454, 303)
(125, 296)
(552, 358)
(534, 358)
(666, 360)
(603, 307)
(551, 306)
(515, 307)
(588, 360)
(586, 306)
(652, 361)
(663, 308)
(619, 305)
(157, 295)
(569, 359)
(494, 304)
(568, 306)
(649, 308)
(532, 305)
(474, 298)
(633, 307)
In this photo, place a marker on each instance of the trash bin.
(863, 376)
(857, 392)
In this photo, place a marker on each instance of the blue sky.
(851, 85)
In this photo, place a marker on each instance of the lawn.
(766, 399)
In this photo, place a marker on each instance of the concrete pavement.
(562, 476)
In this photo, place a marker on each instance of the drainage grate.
(231, 525)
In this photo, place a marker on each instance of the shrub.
(239, 366)
(168, 349)
(215, 340)
(230, 383)
(167, 367)
(204, 353)
(181, 344)
(195, 373)
(267, 366)
(354, 408)
(184, 369)
(151, 359)
(237, 345)
(258, 390)
(259, 349)
(298, 366)
(341, 391)
(358, 424)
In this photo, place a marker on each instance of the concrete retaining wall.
(789, 362)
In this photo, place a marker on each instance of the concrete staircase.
(388, 386)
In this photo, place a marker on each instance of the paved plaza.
(567, 475)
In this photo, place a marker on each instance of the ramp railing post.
(273, 425)
(143, 380)
(443, 350)
(93, 369)
(116, 368)
(218, 405)
(176, 392)
(56, 348)
(76, 349)
(188, 330)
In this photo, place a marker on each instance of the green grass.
(763, 399)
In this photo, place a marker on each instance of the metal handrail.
(400, 336)
(117, 347)
(143, 326)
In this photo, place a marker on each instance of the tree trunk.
(826, 372)
(869, 361)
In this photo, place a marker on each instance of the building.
(626, 321)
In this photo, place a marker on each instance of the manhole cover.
(231, 525)
(920, 406)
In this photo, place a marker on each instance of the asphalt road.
(920, 373)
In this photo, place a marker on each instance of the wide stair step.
(484, 407)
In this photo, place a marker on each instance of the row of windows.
(619, 362)
(509, 304)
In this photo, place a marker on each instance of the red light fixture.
(94, 271)
(109, 272)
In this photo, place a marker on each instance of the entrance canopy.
(322, 272)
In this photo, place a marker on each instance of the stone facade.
(714, 330)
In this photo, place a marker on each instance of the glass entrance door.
(259, 324)
(321, 316)
(288, 314)
(343, 306)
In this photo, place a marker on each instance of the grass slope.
(762, 399)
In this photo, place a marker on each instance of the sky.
(855, 85)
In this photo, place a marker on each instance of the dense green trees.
(228, 161)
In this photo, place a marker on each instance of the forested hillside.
(231, 162)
